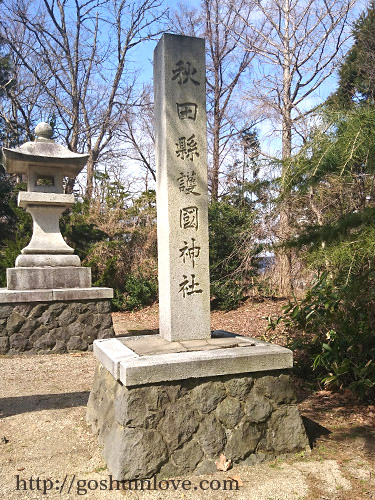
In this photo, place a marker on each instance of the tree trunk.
(216, 150)
(284, 257)
(90, 176)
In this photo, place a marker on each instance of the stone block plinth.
(54, 321)
(36, 278)
(182, 424)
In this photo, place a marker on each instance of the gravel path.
(43, 434)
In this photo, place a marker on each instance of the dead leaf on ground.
(237, 479)
(223, 464)
(76, 354)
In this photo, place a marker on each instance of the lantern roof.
(43, 152)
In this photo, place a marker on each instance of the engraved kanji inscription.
(184, 73)
(188, 287)
(187, 110)
(187, 182)
(190, 251)
(187, 148)
(189, 218)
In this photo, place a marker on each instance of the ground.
(43, 433)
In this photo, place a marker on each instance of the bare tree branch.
(76, 53)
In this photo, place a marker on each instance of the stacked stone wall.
(175, 428)
(53, 327)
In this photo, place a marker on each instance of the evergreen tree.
(7, 216)
(357, 74)
(333, 194)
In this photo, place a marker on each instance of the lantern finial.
(44, 132)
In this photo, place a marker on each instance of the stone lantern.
(47, 261)
(49, 304)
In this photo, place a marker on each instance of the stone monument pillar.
(170, 404)
(182, 195)
(48, 292)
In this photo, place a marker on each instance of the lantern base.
(31, 278)
(47, 260)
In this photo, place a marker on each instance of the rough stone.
(100, 409)
(257, 458)
(67, 316)
(169, 470)
(5, 311)
(46, 342)
(86, 307)
(229, 412)
(211, 436)
(257, 408)
(88, 334)
(139, 407)
(91, 306)
(243, 441)
(38, 310)
(82, 307)
(239, 387)
(208, 395)
(61, 334)
(75, 329)
(56, 309)
(60, 347)
(19, 343)
(86, 318)
(39, 332)
(48, 318)
(4, 345)
(285, 431)
(189, 441)
(76, 344)
(173, 392)
(97, 320)
(206, 467)
(179, 423)
(105, 322)
(14, 323)
(148, 452)
(279, 389)
(106, 334)
(187, 457)
(23, 309)
(29, 326)
(103, 307)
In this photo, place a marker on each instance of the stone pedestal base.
(47, 260)
(32, 278)
(176, 427)
(53, 321)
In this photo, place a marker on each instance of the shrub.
(334, 328)
(140, 291)
(232, 253)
